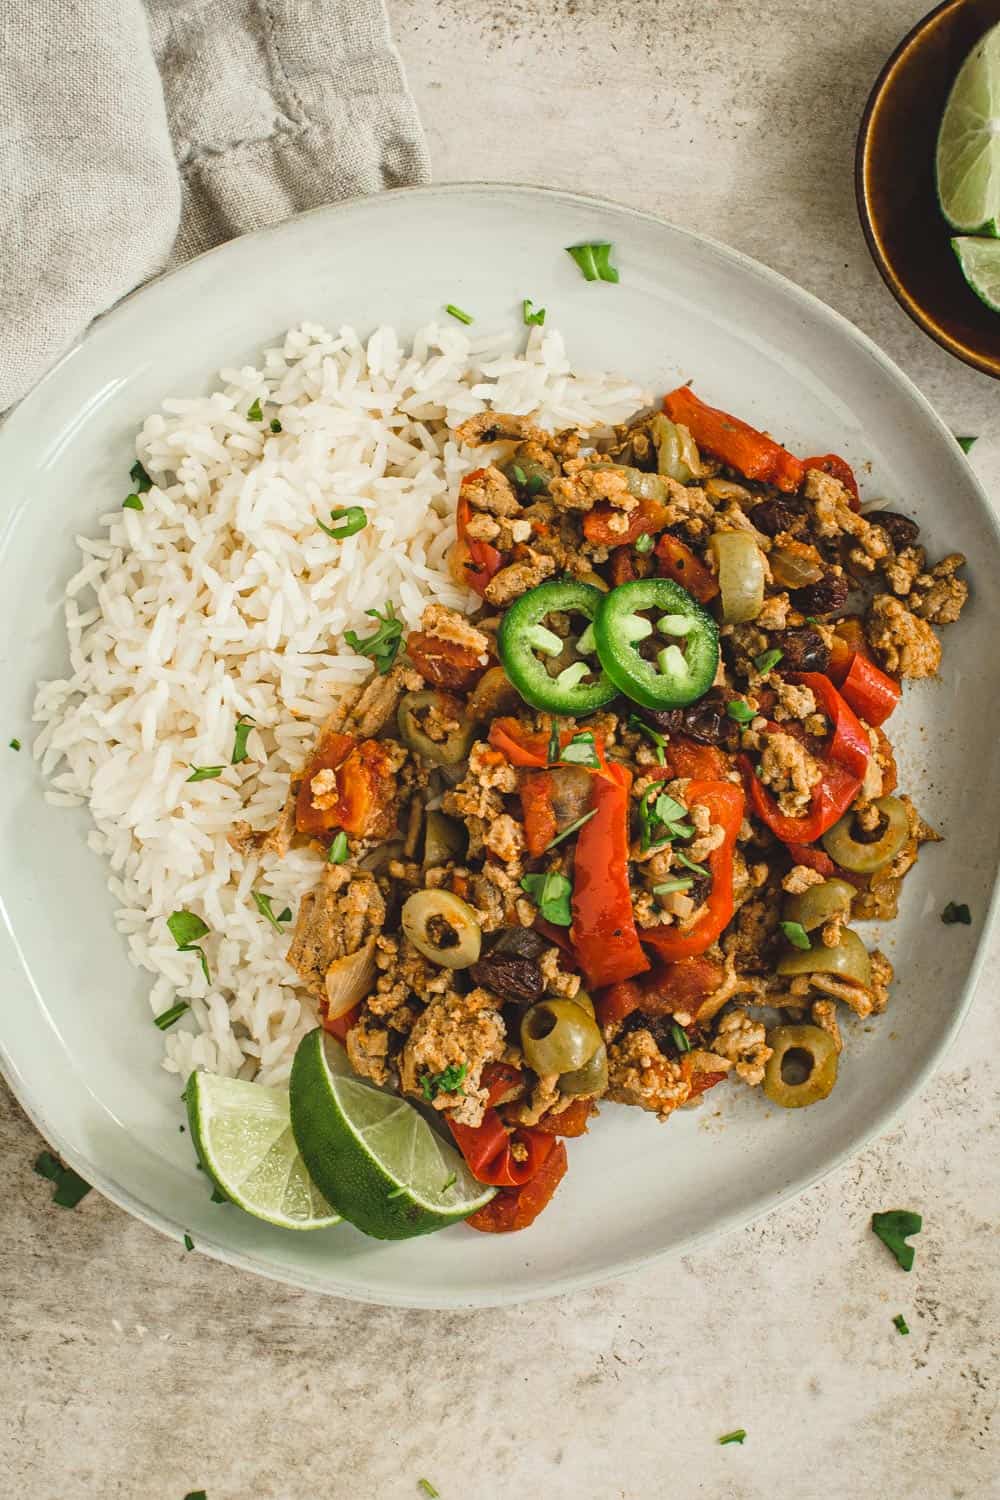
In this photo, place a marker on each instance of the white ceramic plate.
(76, 1042)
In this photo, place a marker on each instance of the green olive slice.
(442, 927)
(807, 1051)
(812, 907)
(444, 838)
(861, 856)
(409, 716)
(848, 959)
(592, 1078)
(558, 1036)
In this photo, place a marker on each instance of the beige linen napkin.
(133, 136)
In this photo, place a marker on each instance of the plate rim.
(727, 1223)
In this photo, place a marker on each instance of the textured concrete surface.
(129, 1371)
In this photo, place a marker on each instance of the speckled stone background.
(129, 1371)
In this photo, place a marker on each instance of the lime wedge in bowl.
(968, 148)
(980, 262)
(243, 1136)
(373, 1155)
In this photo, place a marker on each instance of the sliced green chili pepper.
(579, 688)
(685, 664)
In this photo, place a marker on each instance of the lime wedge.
(968, 148)
(372, 1154)
(243, 1136)
(980, 262)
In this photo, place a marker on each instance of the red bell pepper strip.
(516, 1207)
(700, 1082)
(725, 804)
(487, 1147)
(669, 988)
(685, 757)
(604, 933)
(840, 469)
(484, 561)
(538, 812)
(870, 692)
(831, 797)
(677, 561)
(848, 745)
(734, 442)
(813, 859)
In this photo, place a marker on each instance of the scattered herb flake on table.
(956, 911)
(532, 319)
(739, 1436)
(255, 414)
(594, 260)
(893, 1228)
(456, 312)
(188, 1242)
(428, 1489)
(900, 1324)
(966, 443)
(70, 1187)
(15, 744)
(241, 734)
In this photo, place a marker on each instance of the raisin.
(801, 650)
(823, 598)
(705, 721)
(902, 531)
(772, 516)
(513, 979)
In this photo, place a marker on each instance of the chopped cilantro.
(956, 912)
(573, 828)
(796, 935)
(893, 1229)
(70, 1186)
(188, 1242)
(338, 849)
(218, 1196)
(456, 312)
(244, 724)
(132, 502)
(738, 1436)
(383, 646)
(166, 1018)
(275, 425)
(681, 883)
(581, 751)
(263, 905)
(196, 1495)
(532, 319)
(551, 893)
(900, 1324)
(768, 660)
(255, 414)
(447, 1082)
(185, 929)
(644, 543)
(518, 475)
(535, 483)
(965, 443)
(47, 1165)
(205, 773)
(140, 479)
(594, 260)
(15, 744)
(661, 817)
(681, 1039)
(354, 520)
(658, 739)
(689, 864)
(428, 1489)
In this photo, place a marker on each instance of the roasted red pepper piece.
(734, 442)
(340, 1025)
(725, 803)
(524, 747)
(516, 1208)
(870, 692)
(700, 1082)
(571, 1121)
(685, 757)
(483, 561)
(840, 469)
(677, 561)
(813, 859)
(487, 1147)
(538, 812)
(831, 797)
(668, 989)
(848, 745)
(361, 797)
(604, 933)
(647, 519)
(444, 664)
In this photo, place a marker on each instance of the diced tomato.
(571, 1121)
(677, 561)
(649, 517)
(483, 561)
(516, 1208)
(361, 798)
(444, 664)
(685, 757)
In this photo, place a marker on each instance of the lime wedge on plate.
(243, 1136)
(980, 262)
(372, 1154)
(968, 148)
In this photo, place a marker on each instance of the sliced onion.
(790, 571)
(677, 455)
(349, 980)
(740, 565)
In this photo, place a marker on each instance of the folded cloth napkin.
(133, 136)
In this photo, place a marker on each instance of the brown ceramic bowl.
(909, 237)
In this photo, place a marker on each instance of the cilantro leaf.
(956, 911)
(140, 478)
(796, 935)
(383, 646)
(255, 414)
(594, 260)
(551, 893)
(205, 773)
(338, 849)
(893, 1228)
(739, 1436)
(263, 905)
(532, 319)
(449, 1081)
(900, 1324)
(241, 734)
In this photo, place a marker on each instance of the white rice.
(223, 597)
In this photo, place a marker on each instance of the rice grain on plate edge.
(224, 598)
